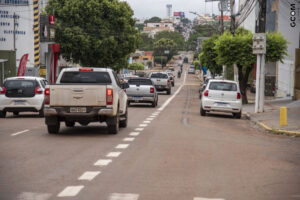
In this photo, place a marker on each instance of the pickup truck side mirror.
(125, 85)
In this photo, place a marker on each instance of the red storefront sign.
(51, 20)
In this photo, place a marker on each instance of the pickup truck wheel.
(69, 124)
(123, 122)
(2, 114)
(53, 128)
(202, 112)
(113, 123)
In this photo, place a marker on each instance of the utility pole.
(14, 32)
(232, 30)
(222, 22)
(259, 48)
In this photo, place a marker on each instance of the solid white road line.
(146, 122)
(113, 154)
(119, 196)
(18, 133)
(139, 129)
(70, 191)
(103, 162)
(122, 146)
(201, 198)
(88, 176)
(134, 133)
(128, 139)
(143, 125)
(172, 97)
(35, 196)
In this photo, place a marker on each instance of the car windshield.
(86, 77)
(223, 86)
(159, 75)
(140, 82)
(18, 84)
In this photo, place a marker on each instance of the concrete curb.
(247, 116)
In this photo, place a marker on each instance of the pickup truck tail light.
(2, 90)
(152, 90)
(86, 69)
(206, 93)
(109, 96)
(38, 90)
(47, 96)
(238, 95)
(168, 80)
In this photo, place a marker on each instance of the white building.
(23, 41)
(279, 13)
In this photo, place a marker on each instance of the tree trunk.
(243, 80)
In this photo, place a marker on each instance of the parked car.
(186, 60)
(222, 96)
(172, 78)
(161, 81)
(171, 68)
(86, 95)
(191, 70)
(141, 90)
(22, 94)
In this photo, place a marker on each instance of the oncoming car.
(22, 94)
(222, 96)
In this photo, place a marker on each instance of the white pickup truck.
(86, 95)
(161, 81)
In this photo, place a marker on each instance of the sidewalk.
(270, 118)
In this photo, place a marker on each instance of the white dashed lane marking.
(89, 175)
(70, 191)
(146, 122)
(139, 129)
(128, 139)
(33, 196)
(122, 146)
(103, 162)
(113, 154)
(119, 196)
(143, 125)
(18, 133)
(134, 133)
(149, 119)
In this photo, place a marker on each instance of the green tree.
(208, 56)
(163, 45)
(237, 49)
(146, 43)
(153, 20)
(136, 66)
(197, 64)
(176, 37)
(163, 60)
(96, 33)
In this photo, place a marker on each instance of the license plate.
(19, 102)
(78, 110)
(221, 103)
(158, 86)
(138, 98)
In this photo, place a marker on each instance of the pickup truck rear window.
(224, 86)
(86, 77)
(140, 82)
(159, 75)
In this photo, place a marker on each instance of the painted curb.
(267, 128)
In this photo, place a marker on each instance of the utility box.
(259, 43)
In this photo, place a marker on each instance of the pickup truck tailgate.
(159, 81)
(77, 95)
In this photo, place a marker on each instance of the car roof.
(222, 80)
(25, 78)
(139, 78)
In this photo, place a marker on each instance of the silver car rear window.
(223, 86)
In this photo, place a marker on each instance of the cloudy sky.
(150, 8)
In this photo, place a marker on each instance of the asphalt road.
(166, 153)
